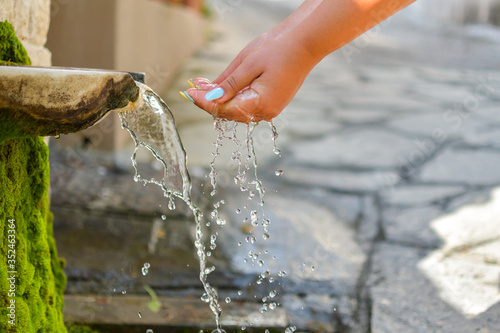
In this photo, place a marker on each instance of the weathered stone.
(472, 167)
(367, 181)
(310, 128)
(436, 127)
(412, 225)
(174, 313)
(405, 301)
(368, 224)
(418, 195)
(328, 250)
(486, 138)
(359, 148)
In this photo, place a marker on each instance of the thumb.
(240, 78)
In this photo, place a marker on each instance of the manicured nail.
(186, 96)
(214, 94)
(191, 84)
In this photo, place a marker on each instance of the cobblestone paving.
(391, 169)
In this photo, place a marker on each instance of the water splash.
(151, 125)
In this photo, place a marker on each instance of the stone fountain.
(36, 102)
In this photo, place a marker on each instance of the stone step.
(177, 314)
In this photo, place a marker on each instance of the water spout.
(52, 101)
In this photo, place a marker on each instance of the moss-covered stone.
(12, 50)
(35, 269)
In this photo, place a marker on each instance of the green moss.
(24, 183)
(12, 50)
(40, 281)
(75, 328)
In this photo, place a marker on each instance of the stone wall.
(30, 19)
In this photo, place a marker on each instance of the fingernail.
(186, 96)
(214, 94)
(191, 84)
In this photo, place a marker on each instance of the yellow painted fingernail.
(191, 84)
(186, 96)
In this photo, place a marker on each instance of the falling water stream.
(151, 125)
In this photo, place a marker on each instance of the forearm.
(302, 12)
(334, 23)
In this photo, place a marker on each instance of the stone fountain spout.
(45, 101)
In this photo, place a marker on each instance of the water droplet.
(209, 270)
(164, 217)
(238, 211)
(281, 273)
(147, 265)
(265, 236)
(140, 314)
(260, 262)
(58, 136)
(243, 328)
(272, 293)
(263, 308)
(240, 292)
(171, 203)
(124, 292)
(272, 305)
(149, 330)
(228, 299)
(278, 172)
(271, 279)
(205, 298)
(313, 268)
(266, 222)
(277, 151)
(239, 243)
(145, 271)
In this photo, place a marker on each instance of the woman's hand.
(260, 82)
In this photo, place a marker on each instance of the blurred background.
(385, 214)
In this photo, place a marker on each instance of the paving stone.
(310, 128)
(472, 167)
(418, 195)
(328, 250)
(486, 138)
(443, 92)
(437, 127)
(368, 224)
(404, 300)
(361, 116)
(319, 312)
(489, 112)
(395, 103)
(411, 225)
(367, 181)
(347, 207)
(361, 148)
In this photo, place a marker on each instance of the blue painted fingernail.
(186, 96)
(214, 94)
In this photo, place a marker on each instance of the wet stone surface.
(389, 189)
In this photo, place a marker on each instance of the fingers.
(245, 107)
(239, 79)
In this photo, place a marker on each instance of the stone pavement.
(391, 158)
(385, 217)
